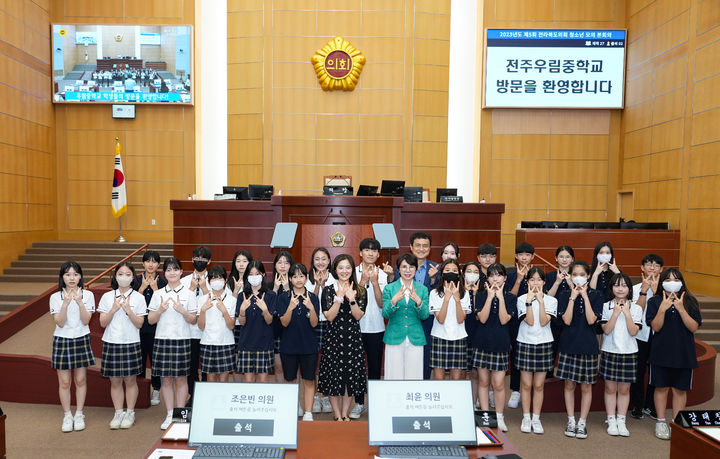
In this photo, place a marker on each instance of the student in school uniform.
(235, 283)
(534, 349)
(319, 277)
(674, 315)
(149, 281)
(450, 304)
(621, 320)
(405, 306)
(579, 309)
(494, 307)
(255, 313)
(559, 281)
(280, 283)
(486, 256)
(471, 277)
(298, 310)
(426, 275)
(197, 282)
(517, 284)
(342, 365)
(173, 309)
(449, 250)
(642, 397)
(71, 308)
(122, 312)
(372, 324)
(603, 268)
(216, 319)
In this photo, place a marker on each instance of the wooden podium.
(227, 226)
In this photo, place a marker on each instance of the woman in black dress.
(342, 366)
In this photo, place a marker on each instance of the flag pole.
(120, 237)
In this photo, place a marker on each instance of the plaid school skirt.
(320, 332)
(69, 353)
(255, 361)
(217, 358)
(534, 357)
(618, 367)
(493, 361)
(579, 368)
(448, 355)
(171, 358)
(120, 360)
(470, 357)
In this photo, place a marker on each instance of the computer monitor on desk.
(260, 192)
(240, 192)
(392, 188)
(367, 190)
(444, 192)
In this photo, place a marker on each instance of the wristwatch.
(642, 294)
(353, 302)
(528, 304)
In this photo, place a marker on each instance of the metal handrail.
(99, 276)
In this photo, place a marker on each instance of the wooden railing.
(99, 276)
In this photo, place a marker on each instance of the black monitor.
(240, 192)
(530, 224)
(606, 225)
(413, 194)
(337, 190)
(367, 190)
(260, 192)
(392, 188)
(549, 224)
(444, 192)
(581, 225)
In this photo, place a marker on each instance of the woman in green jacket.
(405, 305)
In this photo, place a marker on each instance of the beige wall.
(671, 137)
(27, 122)
(158, 146)
(285, 130)
(549, 164)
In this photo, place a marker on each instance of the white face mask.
(217, 284)
(604, 257)
(124, 281)
(672, 286)
(579, 280)
(255, 280)
(471, 278)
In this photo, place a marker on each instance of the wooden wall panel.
(671, 165)
(27, 145)
(158, 146)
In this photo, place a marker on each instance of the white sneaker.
(662, 431)
(326, 406)
(514, 400)
(67, 424)
(622, 428)
(357, 410)
(537, 426)
(166, 423)
(317, 405)
(79, 422)
(612, 428)
(570, 429)
(155, 398)
(117, 420)
(300, 410)
(307, 416)
(525, 425)
(501, 423)
(128, 420)
(492, 399)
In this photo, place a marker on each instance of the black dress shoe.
(637, 413)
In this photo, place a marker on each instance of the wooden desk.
(349, 440)
(227, 226)
(629, 245)
(691, 444)
(107, 64)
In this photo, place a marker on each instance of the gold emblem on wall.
(337, 239)
(338, 65)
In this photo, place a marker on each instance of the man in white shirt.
(642, 398)
(372, 324)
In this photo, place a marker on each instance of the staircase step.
(17, 297)
(707, 334)
(43, 278)
(715, 344)
(32, 271)
(10, 305)
(60, 258)
(127, 245)
(123, 251)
